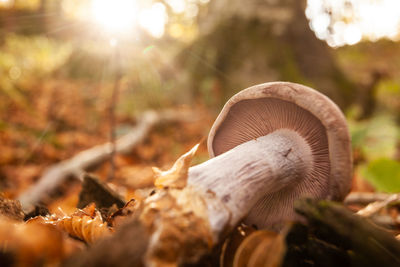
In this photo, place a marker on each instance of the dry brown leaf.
(176, 177)
(260, 248)
(136, 176)
(30, 244)
(11, 208)
(85, 224)
(269, 253)
(231, 244)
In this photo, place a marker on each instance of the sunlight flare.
(121, 16)
(153, 20)
(114, 16)
(6, 3)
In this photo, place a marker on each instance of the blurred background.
(69, 68)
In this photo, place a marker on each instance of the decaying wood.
(345, 236)
(76, 165)
(305, 249)
(161, 233)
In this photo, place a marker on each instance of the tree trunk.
(242, 44)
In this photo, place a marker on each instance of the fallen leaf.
(85, 224)
(176, 177)
(260, 248)
(30, 244)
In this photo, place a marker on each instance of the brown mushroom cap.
(262, 109)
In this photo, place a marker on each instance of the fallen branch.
(76, 165)
(376, 206)
(359, 242)
(364, 198)
(386, 221)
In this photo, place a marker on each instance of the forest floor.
(58, 124)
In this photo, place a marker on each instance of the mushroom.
(271, 144)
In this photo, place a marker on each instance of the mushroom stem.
(243, 175)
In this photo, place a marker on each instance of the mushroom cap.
(264, 108)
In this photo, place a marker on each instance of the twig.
(386, 221)
(76, 165)
(374, 207)
(364, 198)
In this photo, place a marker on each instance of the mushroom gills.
(253, 119)
(250, 118)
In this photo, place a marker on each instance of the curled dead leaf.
(176, 177)
(260, 248)
(86, 224)
(231, 244)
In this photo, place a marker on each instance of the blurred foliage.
(27, 4)
(388, 93)
(25, 60)
(376, 145)
(375, 138)
(383, 174)
(21, 4)
(58, 70)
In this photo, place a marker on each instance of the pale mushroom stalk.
(261, 166)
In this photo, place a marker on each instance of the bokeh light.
(121, 16)
(114, 16)
(6, 3)
(178, 6)
(153, 19)
(347, 22)
(14, 73)
(129, 18)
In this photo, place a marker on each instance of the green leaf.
(376, 138)
(383, 174)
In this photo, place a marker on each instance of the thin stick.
(364, 198)
(376, 206)
(75, 166)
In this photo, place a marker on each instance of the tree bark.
(361, 243)
(242, 44)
